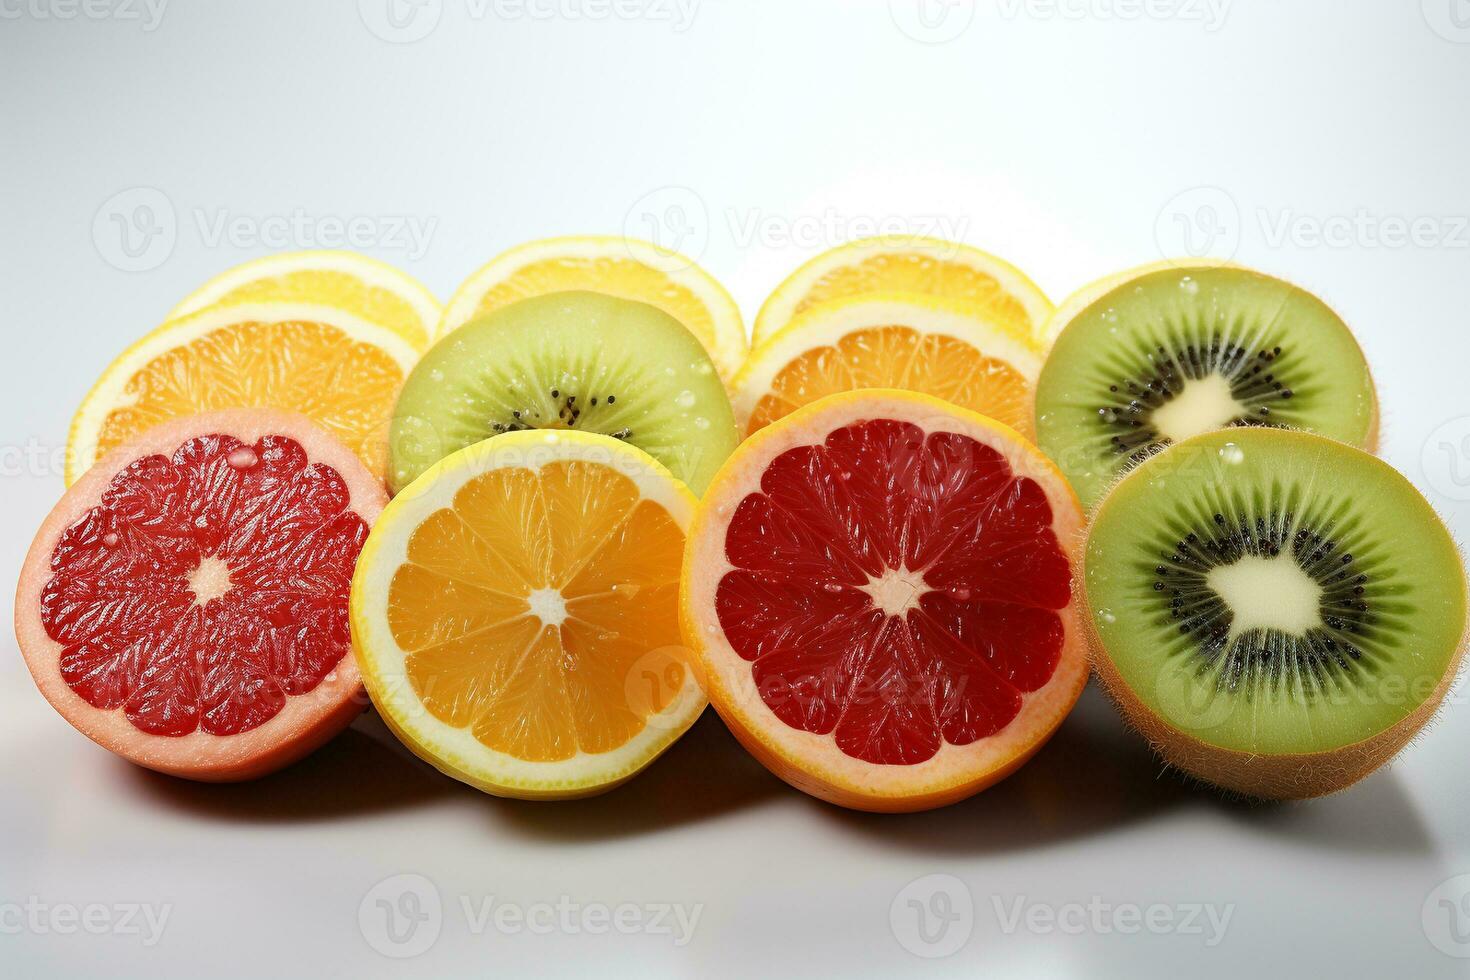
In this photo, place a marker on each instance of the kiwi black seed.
(575, 360)
(1276, 611)
(1154, 357)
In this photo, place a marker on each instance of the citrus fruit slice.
(341, 371)
(185, 604)
(621, 267)
(879, 591)
(909, 265)
(890, 340)
(367, 288)
(515, 614)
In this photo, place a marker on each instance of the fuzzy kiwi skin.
(1298, 776)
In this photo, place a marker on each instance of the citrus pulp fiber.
(515, 614)
(879, 590)
(185, 604)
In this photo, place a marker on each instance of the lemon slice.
(515, 614)
(621, 267)
(945, 348)
(367, 288)
(341, 371)
(928, 266)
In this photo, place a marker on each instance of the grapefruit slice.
(515, 614)
(185, 603)
(878, 588)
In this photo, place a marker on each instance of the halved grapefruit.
(878, 588)
(185, 605)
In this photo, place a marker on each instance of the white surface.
(1321, 140)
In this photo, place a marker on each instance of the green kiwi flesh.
(571, 360)
(1277, 612)
(1174, 352)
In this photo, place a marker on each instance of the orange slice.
(515, 614)
(340, 371)
(621, 267)
(928, 266)
(367, 288)
(890, 340)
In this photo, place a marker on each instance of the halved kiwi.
(1146, 359)
(1277, 612)
(572, 360)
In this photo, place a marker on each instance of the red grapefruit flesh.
(879, 591)
(185, 604)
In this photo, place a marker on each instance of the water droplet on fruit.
(684, 399)
(703, 367)
(110, 539)
(1106, 615)
(1231, 453)
(1189, 286)
(242, 458)
(436, 375)
(701, 422)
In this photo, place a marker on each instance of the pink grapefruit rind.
(304, 723)
(812, 762)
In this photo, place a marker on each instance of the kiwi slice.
(1153, 357)
(1276, 611)
(571, 360)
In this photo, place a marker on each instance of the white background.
(1308, 138)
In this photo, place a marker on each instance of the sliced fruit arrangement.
(1278, 613)
(341, 371)
(515, 614)
(621, 267)
(367, 288)
(576, 360)
(185, 605)
(879, 590)
(1178, 350)
(1000, 292)
(921, 343)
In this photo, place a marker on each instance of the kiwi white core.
(1268, 593)
(1204, 405)
(896, 591)
(209, 580)
(548, 606)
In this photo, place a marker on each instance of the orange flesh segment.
(623, 278)
(346, 386)
(478, 657)
(900, 357)
(911, 273)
